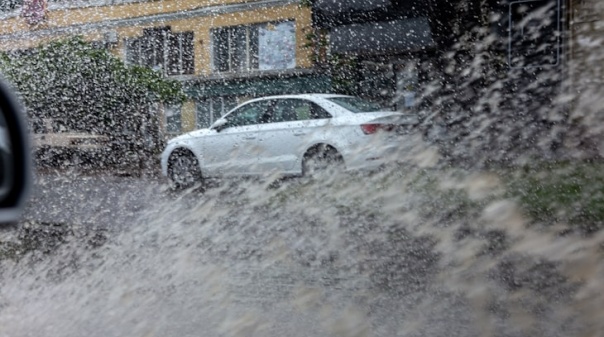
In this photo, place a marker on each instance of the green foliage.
(570, 193)
(342, 68)
(345, 77)
(89, 88)
(567, 194)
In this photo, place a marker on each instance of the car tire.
(183, 169)
(321, 159)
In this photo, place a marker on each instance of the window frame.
(186, 66)
(252, 60)
(162, 55)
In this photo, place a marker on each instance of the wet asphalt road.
(236, 261)
(206, 271)
(97, 200)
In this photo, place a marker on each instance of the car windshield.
(356, 104)
(470, 204)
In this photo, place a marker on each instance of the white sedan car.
(287, 135)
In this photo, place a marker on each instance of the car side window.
(288, 110)
(249, 114)
(316, 112)
(285, 111)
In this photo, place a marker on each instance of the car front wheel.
(183, 169)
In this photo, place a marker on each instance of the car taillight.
(369, 129)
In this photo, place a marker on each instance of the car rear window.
(356, 104)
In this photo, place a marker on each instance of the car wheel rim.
(182, 170)
(321, 162)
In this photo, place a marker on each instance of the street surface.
(99, 200)
(213, 264)
(339, 257)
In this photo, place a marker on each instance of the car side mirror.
(220, 124)
(15, 160)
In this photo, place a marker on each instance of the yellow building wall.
(68, 17)
(188, 116)
(201, 26)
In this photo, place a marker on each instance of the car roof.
(303, 96)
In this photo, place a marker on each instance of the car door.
(231, 149)
(294, 123)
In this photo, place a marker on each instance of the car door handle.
(249, 137)
(299, 134)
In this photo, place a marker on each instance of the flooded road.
(344, 256)
(99, 200)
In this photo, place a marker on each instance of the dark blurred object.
(15, 164)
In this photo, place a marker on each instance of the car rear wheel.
(183, 169)
(321, 159)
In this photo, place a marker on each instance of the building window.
(535, 30)
(163, 50)
(277, 46)
(268, 46)
(10, 5)
(149, 49)
(173, 118)
(133, 52)
(235, 48)
(181, 55)
(210, 109)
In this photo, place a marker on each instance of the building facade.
(399, 47)
(224, 51)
